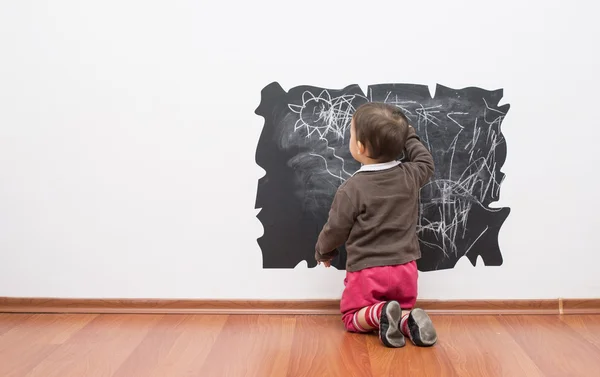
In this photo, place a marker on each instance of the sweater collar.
(378, 167)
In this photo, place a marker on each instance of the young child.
(375, 214)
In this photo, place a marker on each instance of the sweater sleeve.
(337, 229)
(420, 161)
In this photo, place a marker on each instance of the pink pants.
(377, 284)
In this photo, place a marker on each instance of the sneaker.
(389, 332)
(419, 328)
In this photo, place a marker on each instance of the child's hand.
(326, 263)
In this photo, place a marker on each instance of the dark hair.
(382, 128)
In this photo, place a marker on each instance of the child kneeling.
(374, 213)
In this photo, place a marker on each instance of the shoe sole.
(389, 330)
(422, 332)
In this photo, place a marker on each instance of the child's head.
(378, 133)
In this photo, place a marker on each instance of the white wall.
(127, 137)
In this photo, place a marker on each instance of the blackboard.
(303, 148)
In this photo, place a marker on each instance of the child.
(375, 214)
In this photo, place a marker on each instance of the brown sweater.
(375, 212)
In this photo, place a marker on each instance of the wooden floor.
(51, 345)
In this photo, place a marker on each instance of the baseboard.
(490, 307)
(167, 306)
(580, 306)
(310, 307)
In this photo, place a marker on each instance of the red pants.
(373, 285)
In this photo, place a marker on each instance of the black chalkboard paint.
(304, 151)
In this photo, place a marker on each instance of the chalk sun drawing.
(325, 117)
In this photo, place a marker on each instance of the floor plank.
(98, 349)
(555, 347)
(44, 329)
(8, 321)
(251, 346)
(588, 326)
(19, 364)
(177, 345)
(482, 346)
(321, 347)
(33, 339)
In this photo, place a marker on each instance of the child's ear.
(360, 147)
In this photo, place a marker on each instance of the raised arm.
(420, 161)
(336, 230)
